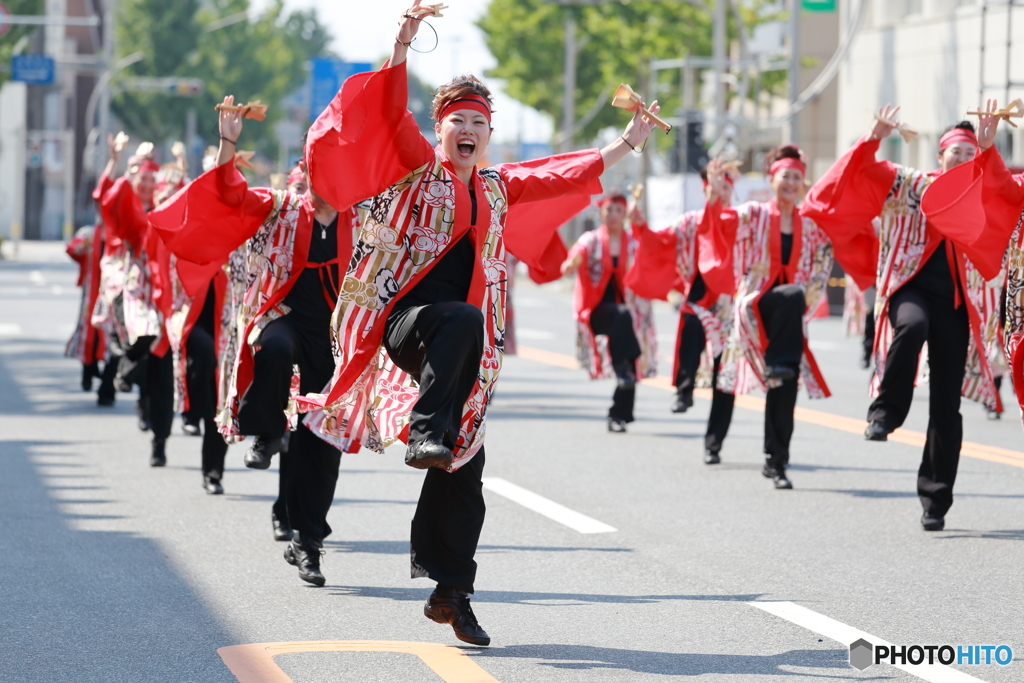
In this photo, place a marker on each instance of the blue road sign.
(34, 69)
(326, 80)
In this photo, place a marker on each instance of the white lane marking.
(841, 633)
(36, 277)
(548, 508)
(526, 333)
(10, 330)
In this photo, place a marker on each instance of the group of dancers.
(365, 303)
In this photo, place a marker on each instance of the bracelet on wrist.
(399, 41)
(233, 142)
(628, 142)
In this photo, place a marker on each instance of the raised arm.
(654, 271)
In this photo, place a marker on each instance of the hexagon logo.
(861, 654)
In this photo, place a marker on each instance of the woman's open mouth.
(466, 148)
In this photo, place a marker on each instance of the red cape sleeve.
(366, 139)
(716, 241)
(654, 271)
(102, 186)
(122, 211)
(843, 204)
(976, 205)
(543, 195)
(212, 216)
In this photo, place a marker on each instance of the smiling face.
(788, 186)
(144, 184)
(956, 154)
(613, 214)
(464, 135)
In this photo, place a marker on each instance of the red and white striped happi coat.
(903, 237)
(742, 368)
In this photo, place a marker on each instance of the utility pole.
(718, 49)
(569, 86)
(794, 68)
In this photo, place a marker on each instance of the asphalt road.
(114, 571)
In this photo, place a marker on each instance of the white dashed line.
(10, 330)
(841, 633)
(548, 508)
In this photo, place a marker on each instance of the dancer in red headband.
(930, 288)
(147, 361)
(699, 266)
(88, 343)
(782, 263)
(615, 328)
(419, 326)
(285, 254)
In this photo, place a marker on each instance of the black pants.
(691, 346)
(106, 390)
(869, 324)
(615, 321)
(155, 378)
(440, 345)
(201, 377)
(447, 524)
(309, 471)
(782, 309)
(917, 316)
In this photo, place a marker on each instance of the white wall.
(12, 155)
(925, 56)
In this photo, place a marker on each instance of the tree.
(616, 42)
(262, 58)
(13, 37)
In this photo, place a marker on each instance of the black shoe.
(190, 426)
(768, 471)
(212, 485)
(261, 451)
(782, 372)
(86, 381)
(876, 431)
(616, 426)
(682, 403)
(932, 522)
(143, 424)
(781, 482)
(446, 606)
(143, 420)
(105, 401)
(425, 454)
(159, 455)
(305, 554)
(993, 414)
(865, 363)
(121, 384)
(711, 458)
(282, 532)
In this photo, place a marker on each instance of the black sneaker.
(711, 458)
(261, 451)
(282, 530)
(616, 426)
(305, 554)
(449, 606)
(190, 426)
(932, 522)
(158, 458)
(425, 454)
(105, 401)
(876, 431)
(212, 485)
(682, 403)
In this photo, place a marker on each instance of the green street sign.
(819, 5)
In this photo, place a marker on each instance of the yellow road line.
(254, 663)
(846, 424)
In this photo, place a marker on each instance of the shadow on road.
(583, 657)
(90, 605)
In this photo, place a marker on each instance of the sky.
(364, 31)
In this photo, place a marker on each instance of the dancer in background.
(782, 261)
(930, 289)
(615, 333)
(88, 344)
(424, 297)
(284, 282)
(147, 362)
(700, 267)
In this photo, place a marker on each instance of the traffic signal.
(696, 153)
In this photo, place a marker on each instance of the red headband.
(957, 135)
(605, 201)
(474, 102)
(144, 165)
(726, 177)
(784, 163)
(295, 176)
